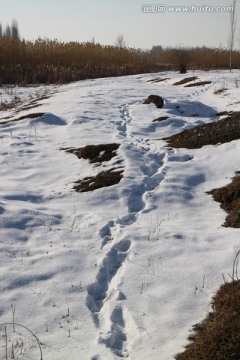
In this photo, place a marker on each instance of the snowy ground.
(123, 271)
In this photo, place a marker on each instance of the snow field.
(123, 271)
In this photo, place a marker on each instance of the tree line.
(48, 61)
(10, 31)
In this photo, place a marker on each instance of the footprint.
(121, 296)
(179, 158)
(150, 168)
(122, 128)
(106, 233)
(116, 338)
(97, 292)
(127, 220)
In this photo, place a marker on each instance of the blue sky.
(104, 20)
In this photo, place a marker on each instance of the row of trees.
(49, 61)
(46, 61)
(10, 32)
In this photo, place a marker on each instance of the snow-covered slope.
(123, 271)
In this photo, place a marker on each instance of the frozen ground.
(123, 271)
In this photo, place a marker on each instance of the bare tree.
(231, 39)
(180, 57)
(14, 30)
(1, 32)
(120, 41)
(7, 33)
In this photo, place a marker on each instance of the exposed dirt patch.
(156, 80)
(5, 118)
(160, 80)
(221, 131)
(218, 336)
(229, 197)
(220, 91)
(186, 80)
(200, 83)
(103, 179)
(96, 153)
(161, 118)
(228, 113)
(155, 99)
(28, 116)
(29, 107)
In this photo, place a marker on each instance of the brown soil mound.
(28, 116)
(229, 197)
(95, 153)
(218, 337)
(221, 131)
(155, 99)
(200, 83)
(186, 80)
(161, 118)
(103, 179)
